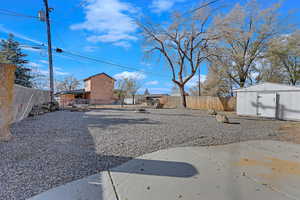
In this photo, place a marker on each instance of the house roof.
(80, 91)
(269, 87)
(98, 75)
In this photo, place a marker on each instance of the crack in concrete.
(113, 185)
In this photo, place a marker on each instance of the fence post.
(7, 78)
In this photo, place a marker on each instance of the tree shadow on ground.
(104, 121)
(61, 146)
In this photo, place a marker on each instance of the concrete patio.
(241, 171)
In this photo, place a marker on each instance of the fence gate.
(266, 105)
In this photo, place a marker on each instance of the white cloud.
(123, 44)
(146, 64)
(194, 81)
(152, 83)
(130, 75)
(27, 48)
(44, 61)
(159, 90)
(43, 70)
(59, 71)
(34, 65)
(159, 6)
(109, 21)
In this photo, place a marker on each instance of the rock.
(79, 108)
(141, 110)
(54, 106)
(212, 112)
(157, 105)
(44, 108)
(222, 118)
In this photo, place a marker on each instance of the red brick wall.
(66, 99)
(101, 89)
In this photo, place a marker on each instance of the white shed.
(269, 100)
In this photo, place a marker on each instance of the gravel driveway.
(60, 147)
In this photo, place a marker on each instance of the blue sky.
(101, 29)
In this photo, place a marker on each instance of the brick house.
(98, 89)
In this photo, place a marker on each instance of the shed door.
(266, 105)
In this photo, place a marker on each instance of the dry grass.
(290, 132)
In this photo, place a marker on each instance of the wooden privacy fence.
(201, 102)
(7, 77)
(15, 101)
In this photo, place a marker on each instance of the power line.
(111, 63)
(15, 14)
(71, 55)
(202, 6)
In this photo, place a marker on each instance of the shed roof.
(98, 75)
(269, 87)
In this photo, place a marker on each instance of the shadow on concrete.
(157, 168)
(61, 146)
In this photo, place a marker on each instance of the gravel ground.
(60, 147)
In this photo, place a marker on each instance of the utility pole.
(199, 83)
(47, 19)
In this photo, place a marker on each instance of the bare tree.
(267, 71)
(284, 56)
(121, 90)
(68, 84)
(175, 90)
(245, 33)
(217, 83)
(131, 87)
(183, 43)
(40, 81)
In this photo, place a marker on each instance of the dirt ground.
(290, 132)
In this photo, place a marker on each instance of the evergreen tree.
(10, 52)
(146, 92)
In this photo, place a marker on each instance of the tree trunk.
(199, 83)
(293, 81)
(242, 83)
(122, 101)
(133, 99)
(182, 92)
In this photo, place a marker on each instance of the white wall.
(289, 105)
(87, 85)
(246, 103)
(128, 100)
